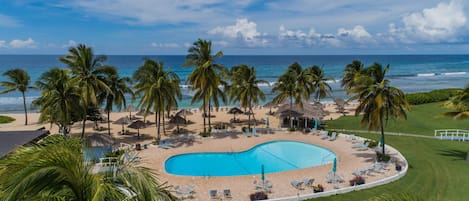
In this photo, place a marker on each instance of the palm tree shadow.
(456, 155)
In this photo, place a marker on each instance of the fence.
(452, 134)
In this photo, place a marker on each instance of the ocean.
(411, 73)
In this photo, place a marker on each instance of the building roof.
(9, 140)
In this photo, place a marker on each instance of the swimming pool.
(277, 156)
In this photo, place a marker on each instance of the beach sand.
(154, 157)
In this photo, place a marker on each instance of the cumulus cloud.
(443, 23)
(2, 43)
(71, 43)
(243, 29)
(358, 34)
(17, 43)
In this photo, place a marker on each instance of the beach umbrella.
(334, 166)
(138, 125)
(177, 120)
(316, 124)
(130, 109)
(184, 113)
(123, 121)
(262, 174)
(235, 111)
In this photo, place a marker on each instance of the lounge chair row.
(184, 192)
(301, 184)
(333, 177)
(265, 186)
(374, 168)
(213, 193)
(325, 135)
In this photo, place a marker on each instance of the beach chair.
(364, 147)
(254, 132)
(297, 184)
(308, 182)
(227, 193)
(333, 136)
(247, 133)
(213, 194)
(324, 135)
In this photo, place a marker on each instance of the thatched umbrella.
(184, 113)
(138, 125)
(177, 120)
(130, 109)
(235, 111)
(123, 121)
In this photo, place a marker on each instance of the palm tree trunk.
(203, 115)
(156, 124)
(382, 137)
(25, 110)
(158, 137)
(108, 122)
(291, 111)
(164, 127)
(209, 116)
(83, 126)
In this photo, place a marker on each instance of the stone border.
(387, 180)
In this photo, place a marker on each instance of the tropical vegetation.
(18, 80)
(6, 119)
(205, 79)
(55, 169)
(378, 101)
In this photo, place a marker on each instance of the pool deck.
(348, 158)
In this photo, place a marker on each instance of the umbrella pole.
(122, 129)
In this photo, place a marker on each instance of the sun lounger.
(308, 181)
(297, 184)
(247, 133)
(324, 135)
(254, 131)
(363, 147)
(333, 136)
(213, 194)
(227, 193)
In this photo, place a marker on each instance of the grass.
(422, 119)
(6, 119)
(437, 170)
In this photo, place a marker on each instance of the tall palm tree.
(84, 67)
(118, 89)
(60, 99)
(158, 89)
(244, 88)
(19, 80)
(351, 73)
(295, 84)
(378, 101)
(205, 78)
(56, 170)
(320, 83)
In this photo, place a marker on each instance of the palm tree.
(118, 88)
(295, 84)
(245, 88)
(84, 67)
(351, 73)
(60, 99)
(378, 101)
(158, 89)
(19, 80)
(205, 78)
(320, 83)
(56, 170)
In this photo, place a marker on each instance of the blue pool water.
(276, 156)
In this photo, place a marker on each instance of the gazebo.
(300, 116)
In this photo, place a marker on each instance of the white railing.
(380, 182)
(452, 134)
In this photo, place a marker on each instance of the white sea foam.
(426, 74)
(454, 73)
(16, 100)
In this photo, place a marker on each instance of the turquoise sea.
(411, 73)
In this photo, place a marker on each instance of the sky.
(240, 27)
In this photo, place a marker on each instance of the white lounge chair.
(297, 184)
(254, 131)
(333, 136)
(247, 133)
(324, 135)
(227, 193)
(213, 193)
(364, 147)
(308, 181)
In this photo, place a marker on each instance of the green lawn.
(437, 171)
(437, 168)
(6, 119)
(422, 119)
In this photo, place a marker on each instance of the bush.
(117, 153)
(6, 119)
(205, 134)
(357, 180)
(220, 126)
(318, 188)
(292, 129)
(379, 157)
(372, 143)
(258, 196)
(432, 96)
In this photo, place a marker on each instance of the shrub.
(117, 153)
(372, 143)
(258, 196)
(292, 129)
(6, 119)
(220, 126)
(205, 134)
(379, 157)
(318, 188)
(431, 97)
(357, 180)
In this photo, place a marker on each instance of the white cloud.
(17, 43)
(441, 23)
(357, 34)
(2, 43)
(243, 29)
(165, 45)
(7, 21)
(71, 43)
